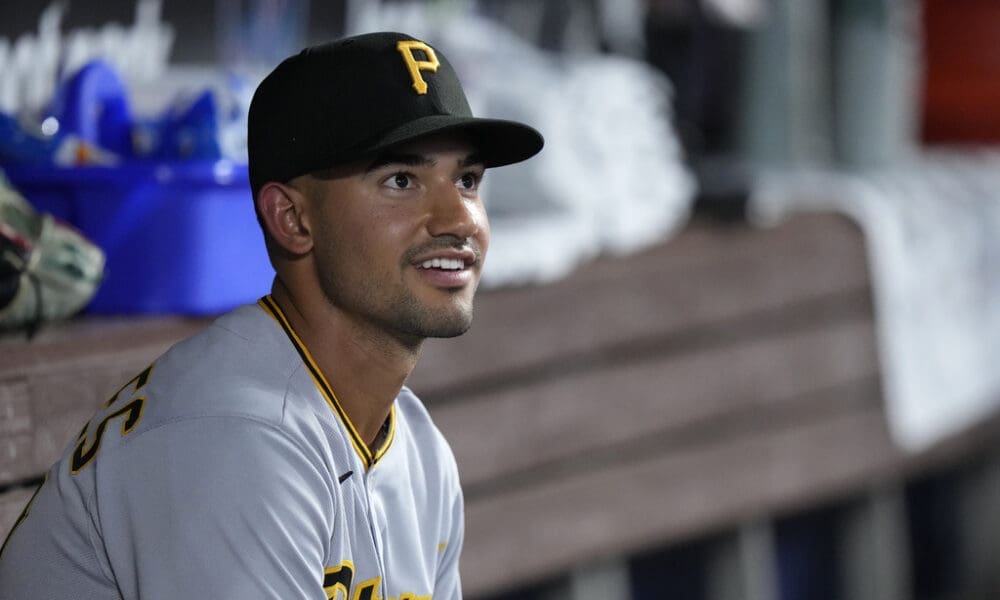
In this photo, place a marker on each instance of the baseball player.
(277, 454)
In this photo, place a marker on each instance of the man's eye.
(399, 181)
(469, 181)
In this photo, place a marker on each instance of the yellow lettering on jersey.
(337, 584)
(414, 66)
(338, 579)
(132, 411)
(138, 382)
(368, 590)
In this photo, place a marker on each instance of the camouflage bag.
(48, 269)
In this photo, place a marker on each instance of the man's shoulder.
(422, 433)
(241, 365)
(411, 411)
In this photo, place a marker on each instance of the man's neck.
(365, 366)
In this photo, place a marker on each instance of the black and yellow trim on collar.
(367, 456)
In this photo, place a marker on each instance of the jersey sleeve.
(217, 507)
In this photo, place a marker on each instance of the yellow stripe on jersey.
(369, 459)
(388, 436)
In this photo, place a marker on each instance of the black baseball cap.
(352, 98)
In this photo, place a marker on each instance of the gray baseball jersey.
(227, 469)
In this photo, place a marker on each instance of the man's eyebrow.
(416, 160)
(470, 160)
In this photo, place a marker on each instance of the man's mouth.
(446, 264)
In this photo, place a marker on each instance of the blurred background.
(746, 195)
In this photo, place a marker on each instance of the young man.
(277, 454)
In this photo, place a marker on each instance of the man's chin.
(432, 318)
(448, 333)
(448, 327)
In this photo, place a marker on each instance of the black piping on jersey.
(367, 457)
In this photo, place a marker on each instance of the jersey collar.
(368, 457)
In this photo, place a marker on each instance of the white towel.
(932, 226)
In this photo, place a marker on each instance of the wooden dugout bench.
(723, 376)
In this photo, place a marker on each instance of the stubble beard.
(402, 314)
(410, 317)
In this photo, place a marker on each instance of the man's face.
(399, 241)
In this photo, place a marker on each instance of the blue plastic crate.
(180, 238)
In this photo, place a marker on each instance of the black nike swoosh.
(345, 477)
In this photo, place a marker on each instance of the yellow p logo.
(414, 66)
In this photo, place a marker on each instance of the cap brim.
(498, 142)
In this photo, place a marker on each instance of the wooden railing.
(719, 378)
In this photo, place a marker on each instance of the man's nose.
(452, 213)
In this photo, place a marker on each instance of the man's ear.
(282, 212)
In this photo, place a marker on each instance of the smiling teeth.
(451, 264)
